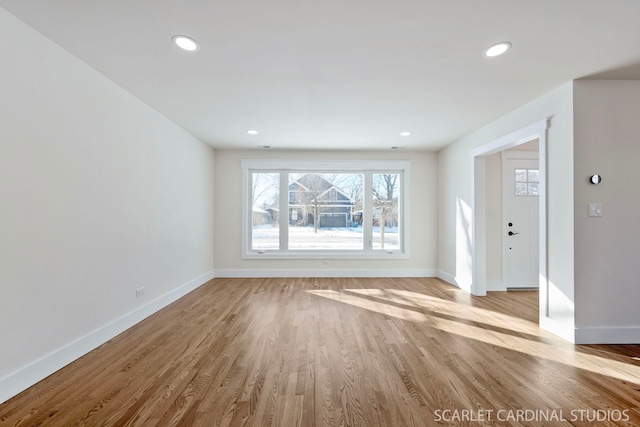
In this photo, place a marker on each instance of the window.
(321, 214)
(323, 210)
(384, 205)
(265, 212)
(527, 182)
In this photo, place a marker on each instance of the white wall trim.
(17, 381)
(452, 280)
(563, 330)
(316, 165)
(496, 287)
(326, 255)
(396, 272)
(513, 139)
(519, 155)
(608, 335)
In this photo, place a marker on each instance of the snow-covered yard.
(265, 237)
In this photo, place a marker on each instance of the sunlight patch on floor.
(555, 353)
(451, 308)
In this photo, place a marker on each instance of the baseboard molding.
(611, 335)
(564, 330)
(25, 377)
(447, 278)
(496, 287)
(251, 273)
(452, 280)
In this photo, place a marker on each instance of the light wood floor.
(347, 352)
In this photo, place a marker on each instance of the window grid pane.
(526, 182)
(323, 215)
(265, 230)
(386, 188)
(521, 175)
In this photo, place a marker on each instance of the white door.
(520, 255)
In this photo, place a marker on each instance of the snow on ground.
(304, 238)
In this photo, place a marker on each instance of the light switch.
(595, 209)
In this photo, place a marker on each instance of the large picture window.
(319, 209)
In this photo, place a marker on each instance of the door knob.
(511, 233)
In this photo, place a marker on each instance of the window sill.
(314, 255)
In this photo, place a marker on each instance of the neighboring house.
(391, 216)
(261, 217)
(275, 214)
(312, 196)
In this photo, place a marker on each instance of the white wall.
(99, 195)
(607, 249)
(455, 170)
(228, 215)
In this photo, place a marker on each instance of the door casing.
(536, 130)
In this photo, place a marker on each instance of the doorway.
(520, 219)
(537, 130)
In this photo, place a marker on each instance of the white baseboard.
(562, 329)
(251, 273)
(17, 381)
(608, 335)
(447, 278)
(496, 287)
(452, 280)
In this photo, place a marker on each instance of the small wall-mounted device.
(595, 179)
(595, 209)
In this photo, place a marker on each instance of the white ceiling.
(341, 74)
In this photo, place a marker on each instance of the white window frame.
(365, 167)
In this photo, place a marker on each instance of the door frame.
(536, 130)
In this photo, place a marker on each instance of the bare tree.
(263, 187)
(314, 186)
(352, 186)
(265, 190)
(384, 188)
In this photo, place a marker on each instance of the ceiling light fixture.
(406, 133)
(186, 43)
(252, 132)
(497, 49)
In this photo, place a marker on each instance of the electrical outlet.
(139, 292)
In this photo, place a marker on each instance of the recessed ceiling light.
(497, 49)
(186, 43)
(252, 132)
(406, 133)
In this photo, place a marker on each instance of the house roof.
(341, 74)
(314, 182)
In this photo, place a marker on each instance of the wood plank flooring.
(338, 352)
